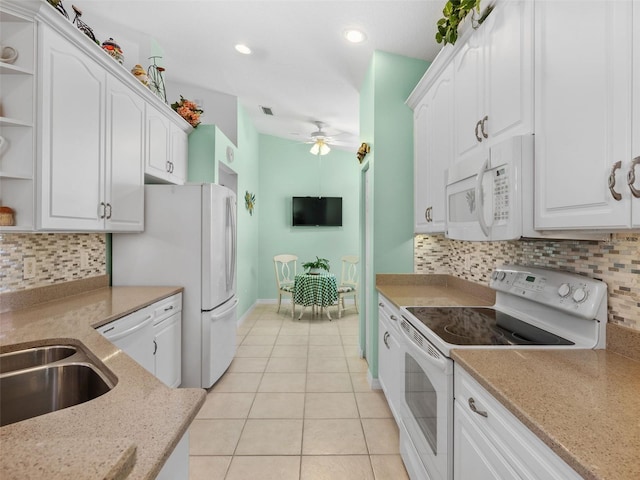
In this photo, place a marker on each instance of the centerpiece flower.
(188, 110)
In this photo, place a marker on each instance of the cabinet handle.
(384, 339)
(155, 347)
(426, 214)
(168, 166)
(102, 210)
(394, 318)
(478, 137)
(171, 165)
(612, 181)
(108, 214)
(168, 308)
(474, 409)
(482, 123)
(381, 304)
(631, 177)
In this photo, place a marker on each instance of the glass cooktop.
(482, 326)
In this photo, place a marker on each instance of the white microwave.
(484, 194)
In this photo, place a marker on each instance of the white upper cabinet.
(71, 173)
(167, 146)
(493, 80)
(92, 130)
(433, 151)
(80, 129)
(124, 193)
(634, 169)
(587, 121)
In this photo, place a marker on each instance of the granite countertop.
(414, 290)
(582, 403)
(128, 432)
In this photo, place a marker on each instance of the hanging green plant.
(454, 12)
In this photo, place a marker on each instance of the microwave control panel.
(501, 194)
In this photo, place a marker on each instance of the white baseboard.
(242, 319)
(374, 383)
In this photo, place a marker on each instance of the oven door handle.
(430, 353)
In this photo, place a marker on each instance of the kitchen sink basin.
(41, 380)
(33, 357)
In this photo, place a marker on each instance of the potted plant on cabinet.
(315, 267)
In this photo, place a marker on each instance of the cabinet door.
(168, 352)
(635, 118)
(583, 88)
(469, 105)
(433, 144)
(179, 154)
(420, 161)
(439, 146)
(157, 148)
(473, 454)
(125, 159)
(71, 158)
(508, 39)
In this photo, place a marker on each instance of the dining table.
(315, 290)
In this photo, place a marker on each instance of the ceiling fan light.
(319, 148)
(243, 49)
(355, 36)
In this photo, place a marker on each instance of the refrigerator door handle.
(233, 305)
(231, 249)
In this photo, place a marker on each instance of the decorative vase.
(113, 49)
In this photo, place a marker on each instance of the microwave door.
(484, 196)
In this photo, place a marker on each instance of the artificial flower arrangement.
(188, 110)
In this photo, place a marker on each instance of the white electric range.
(534, 308)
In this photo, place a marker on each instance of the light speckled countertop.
(584, 404)
(128, 432)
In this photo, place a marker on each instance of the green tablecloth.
(321, 289)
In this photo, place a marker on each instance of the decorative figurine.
(156, 82)
(83, 27)
(113, 49)
(141, 75)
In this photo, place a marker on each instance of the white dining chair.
(286, 267)
(348, 286)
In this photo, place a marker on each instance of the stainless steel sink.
(63, 376)
(33, 357)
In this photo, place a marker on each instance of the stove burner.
(482, 326)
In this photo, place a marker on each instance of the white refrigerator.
(189, 240)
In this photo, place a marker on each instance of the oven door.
(427, 406)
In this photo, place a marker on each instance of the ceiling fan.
(320, 141)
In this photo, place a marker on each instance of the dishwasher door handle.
(129, 331)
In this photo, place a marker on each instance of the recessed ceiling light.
(355, 36)
(243, 49)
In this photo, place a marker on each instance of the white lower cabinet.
(152, 336)
(177, 465)
(390, 359)
(167, 341)
(490, 443)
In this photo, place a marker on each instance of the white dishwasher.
(131, 334)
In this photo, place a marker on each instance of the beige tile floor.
(295, 404)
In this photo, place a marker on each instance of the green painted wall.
(287, 169)
(387, 123)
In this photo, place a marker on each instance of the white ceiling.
(301, 66)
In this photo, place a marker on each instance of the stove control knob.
(494, 275)
(564, 290)
(580, 295)
(501, 276)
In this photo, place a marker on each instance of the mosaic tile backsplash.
(616, 262)
(58, 258)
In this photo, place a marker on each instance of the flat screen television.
(317, 211)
